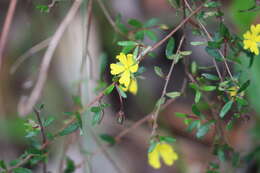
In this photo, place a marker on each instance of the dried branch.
(6, 28)
(26, 106)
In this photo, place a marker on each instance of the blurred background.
(30, 26)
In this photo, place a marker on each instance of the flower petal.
(167, 153)
(125, 78)
(134, 68)
(154, 158)
(122, 58)
(116, 69)
(133, 87)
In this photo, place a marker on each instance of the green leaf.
(77, 100)
(185, 53)
(135, 23)
(3, 165)
(244, 86)
(173, 95)
(108, 138)
(174, 3)
(210, 76)
(78, 116)
(170, 48)
(214, 53)
(226, 108)
(70, 166)
(198, 43)
(97, 117)
(70, 129)
(109, 89)
(48, 121)
(127, 43)
(197, 96)
(181, 115)
(151, 22)
(208, 88)
(193, 125)
(152, 146)
(120, 25)
(151, 35)
(167, 139)
(158, 71)
(21, 170)
(160, 101)
(121, 92)
(195, 110)
(127, 49)
(212, 4)
(203, 130)
(43, 8)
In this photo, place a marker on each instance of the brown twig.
(156, 114)
(221, 54)
(38, 47)
(26, 106)
(6, 28)
(44, 139)
(158, 44)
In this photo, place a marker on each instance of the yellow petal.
(116, 69)
(247, 35)
(167, 153)
(154, 158)
(133, 87)
(122, 58)
(125, 78)
(130, 59)
(253, 29)
(134, 68)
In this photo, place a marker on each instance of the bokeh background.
(30, 27)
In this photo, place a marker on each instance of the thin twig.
(221, 54)
(156, 114)
(26, 106)
(38, 47)
(44, 139)
(6, 28)
(158, 44)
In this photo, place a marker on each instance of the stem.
(44, 139)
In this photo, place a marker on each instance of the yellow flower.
(125, 69)
(252, 38)
(164, 151)
(233, 91)
(132, 88)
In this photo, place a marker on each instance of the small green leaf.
(198, 43)
(70, 166)
(185, 53)
(121, 92)
(152, 146)
(170, 48)
(226, 108)
(167, 139)
(70, 129)
(108, 138)
(197, 96)
(48, 121)
(3, 165)
(127, 43)
(174, 3)
(193, 125)
(21, 170)
(203, 130)
(195, 110)
(151, 35)
(214, 53)
(160, 101)
(151, 22)
(109, 89)
(210, 76)
(158, 71)
(244, 86)
(173, 95)
(181, 115)
(135, 23)
(208, 88)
